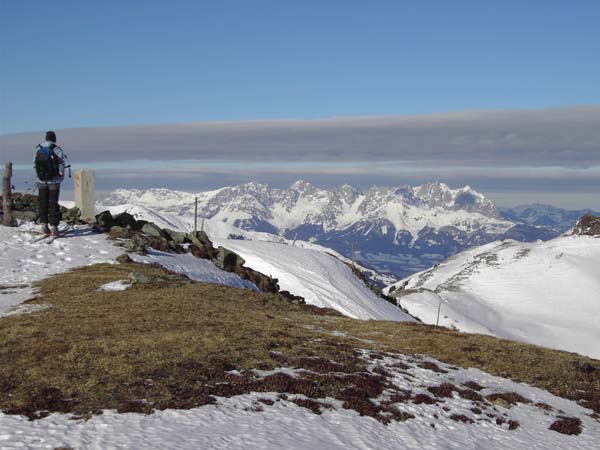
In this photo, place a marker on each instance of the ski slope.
(320, 278)
(545, 293)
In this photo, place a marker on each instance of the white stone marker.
(84, 194)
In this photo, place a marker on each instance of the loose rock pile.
(139, 235)
(25, 207)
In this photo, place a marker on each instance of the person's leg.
(53, 207)
(43, 203)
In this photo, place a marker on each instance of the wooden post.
(196, 216)
(437, 322)
(7, 196)
(353, 258)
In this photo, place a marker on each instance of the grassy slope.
(172, 342)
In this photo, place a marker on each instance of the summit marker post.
(84, 194)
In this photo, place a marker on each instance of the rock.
(104, 220)
(587, 225)
(139, 224)
(124, 259)
(137, 244)
(153, 230)
(200, 252)
(228, 260)
(28, 216)
(73, 216)
(199, 238)
(117, 232)
(177, 237)
(159, 243)
(126, 220)
(140, 278)
(294, 299)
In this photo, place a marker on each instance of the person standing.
(49, 164)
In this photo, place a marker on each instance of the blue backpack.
(46, 163)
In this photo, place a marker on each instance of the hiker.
(49, 166)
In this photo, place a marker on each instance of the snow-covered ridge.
(398, 230)
(320, 278)
(406, 208)
(545, 293)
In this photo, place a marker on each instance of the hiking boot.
(45, 230)
(54, 231)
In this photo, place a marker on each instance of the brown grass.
(567, 425)
(173, 344)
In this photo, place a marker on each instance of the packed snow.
(195, 268)
(243, 422)
(545, 293)
(24, 261)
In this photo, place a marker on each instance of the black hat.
(51, 136)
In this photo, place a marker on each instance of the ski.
(47, 238)
(61, 234)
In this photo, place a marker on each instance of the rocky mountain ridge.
(398, 230)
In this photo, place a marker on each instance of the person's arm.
(61, 157)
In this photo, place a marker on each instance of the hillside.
(544, 293)
(168, 362)
(319, 278)
(397, 230)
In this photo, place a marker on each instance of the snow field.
(545, 293)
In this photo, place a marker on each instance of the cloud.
(545, 154)
(563, 137)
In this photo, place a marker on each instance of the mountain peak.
(302, 186)
(587, 225)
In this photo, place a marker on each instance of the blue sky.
(72, 63)
(390, 64)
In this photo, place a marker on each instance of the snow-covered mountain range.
(397, 230)
(545, 293)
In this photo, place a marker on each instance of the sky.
(192, 94)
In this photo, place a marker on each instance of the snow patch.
(119, 285)
(196, 269)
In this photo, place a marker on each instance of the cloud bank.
(560, 136)
(549, 150)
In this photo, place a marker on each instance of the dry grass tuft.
(567, 425)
